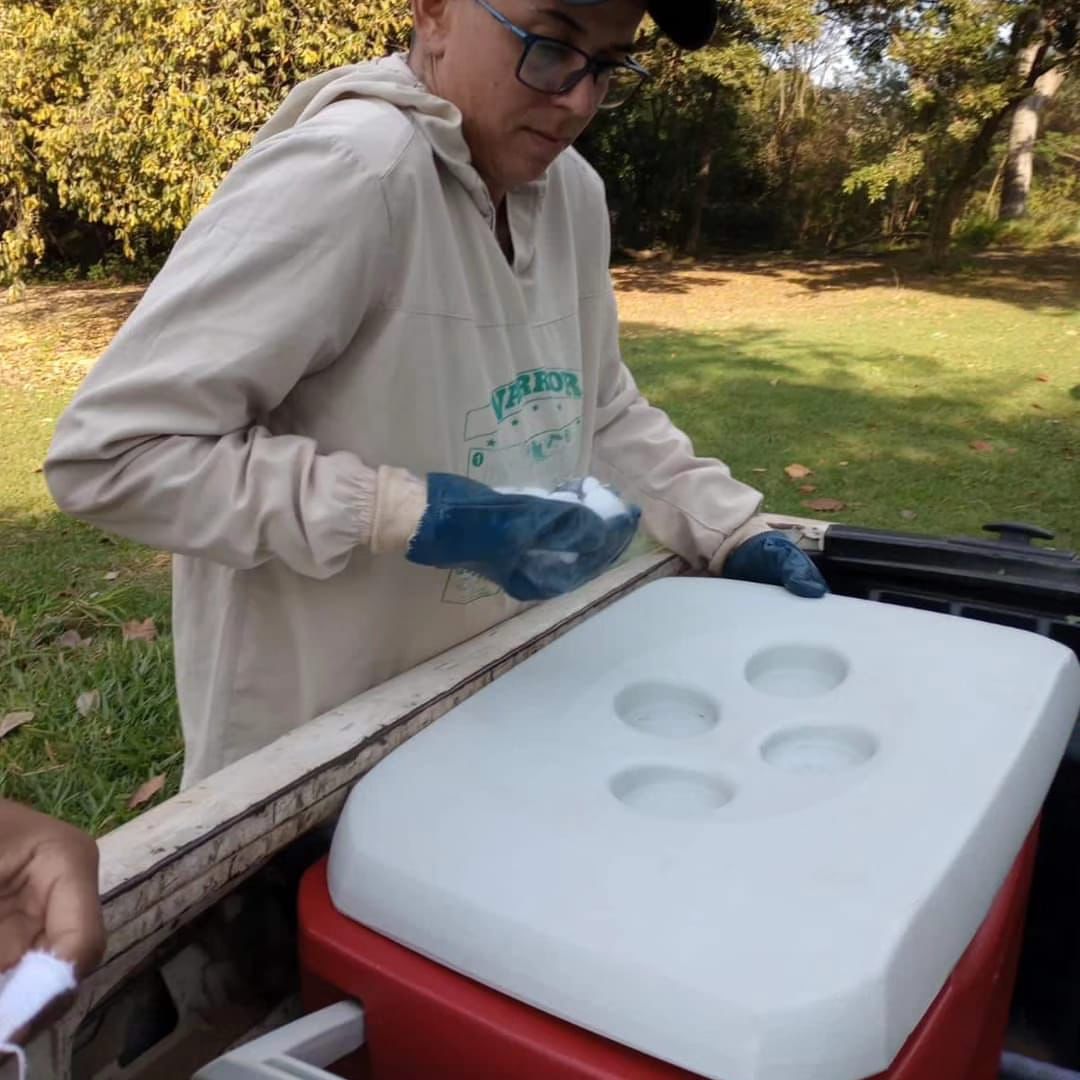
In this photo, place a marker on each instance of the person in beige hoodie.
(396, 306)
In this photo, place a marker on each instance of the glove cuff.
(754, 527)
(400, 502)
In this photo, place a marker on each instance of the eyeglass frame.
(593, 65)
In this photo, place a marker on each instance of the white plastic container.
(741, 832)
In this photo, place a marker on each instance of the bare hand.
(48, 890)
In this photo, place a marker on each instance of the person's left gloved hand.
(770, 558)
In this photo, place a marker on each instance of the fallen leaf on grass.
(88, 701)
(908, 515)
(1036, 405)
(146, 792)
(112, 575)
(843, 464)
(797, 471)
(12, 720)
(824, 505)
(140, 631)
(7, 625)
(72, 639)
(808, 489)
(981, 446)
(1042, 378)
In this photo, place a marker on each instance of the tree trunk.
(950, 204)
(701, 197)
(1021, 152)
(1031, 47)
(910, 213)
(991, 195)
(701, 183)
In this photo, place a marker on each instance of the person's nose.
(584, 99)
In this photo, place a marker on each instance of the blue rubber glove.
(772, 559)
(534, 548)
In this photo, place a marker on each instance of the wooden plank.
(809, 532)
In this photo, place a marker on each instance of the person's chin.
(540, 150)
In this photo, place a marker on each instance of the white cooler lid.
(741, 832)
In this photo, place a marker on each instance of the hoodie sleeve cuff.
(357, 489)
(754, 527)
(400, 502)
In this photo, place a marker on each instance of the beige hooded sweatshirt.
(343, 304)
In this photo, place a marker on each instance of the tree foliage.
(125, 114)
(966, 65)
(809, 124)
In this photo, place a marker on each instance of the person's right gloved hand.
(532, 547)
(770, 558)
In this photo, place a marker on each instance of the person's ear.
(432, 20)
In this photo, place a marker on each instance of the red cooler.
(715, 831)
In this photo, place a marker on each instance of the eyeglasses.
(553, 67)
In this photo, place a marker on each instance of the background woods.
(806, 126)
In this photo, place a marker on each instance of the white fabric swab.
(589, 492)
(25, 991)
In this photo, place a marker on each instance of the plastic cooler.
(715, 830)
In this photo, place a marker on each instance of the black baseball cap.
(689, 23)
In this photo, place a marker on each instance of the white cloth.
(590, 492)
(38, 979)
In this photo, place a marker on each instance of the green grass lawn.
(877, 380)
(58, 576)
(928, 411)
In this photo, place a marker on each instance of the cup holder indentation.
(673, 712)
(819, 749)
(796, 671)
(669, 792)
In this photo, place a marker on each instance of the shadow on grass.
(107, 302)
(1031, 280)
(65, 325)
(669, 278)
